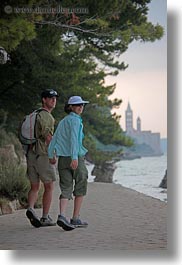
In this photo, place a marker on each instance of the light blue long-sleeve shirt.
(67, 140)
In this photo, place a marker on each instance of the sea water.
(143, 175)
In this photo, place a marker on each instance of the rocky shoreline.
(104, 173)
(163, 183)
(8, 207)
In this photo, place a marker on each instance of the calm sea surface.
(143, 175)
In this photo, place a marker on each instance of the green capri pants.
(72, 181)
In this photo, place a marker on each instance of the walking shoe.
(47, 221)
(34, 220)
(64, 223)
(78, 223)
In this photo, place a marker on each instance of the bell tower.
(138, 124)
(129, 119)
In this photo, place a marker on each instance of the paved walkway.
(119, 219)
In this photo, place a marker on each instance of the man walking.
(38, 167)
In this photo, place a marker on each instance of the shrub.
(13, 181)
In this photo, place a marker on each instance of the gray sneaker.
(64, 223)
(47, 221)
(78, 223)
(34, 220)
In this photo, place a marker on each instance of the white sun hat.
(76, 100)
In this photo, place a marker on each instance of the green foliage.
(96, 155)
(17, 25)
(13, 183)
(15, 31)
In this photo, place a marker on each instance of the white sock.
(45, 215)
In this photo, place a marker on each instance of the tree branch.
(72, 27)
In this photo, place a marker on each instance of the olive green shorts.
(72, 181)
(39, 168)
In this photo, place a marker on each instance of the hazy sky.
(144, 82)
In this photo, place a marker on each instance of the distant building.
(139, 136)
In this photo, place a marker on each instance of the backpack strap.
(41, 109)
(38, 111)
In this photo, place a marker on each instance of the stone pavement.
(119, 219)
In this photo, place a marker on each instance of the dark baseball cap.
(49, 93)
